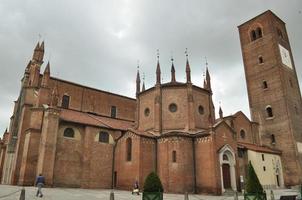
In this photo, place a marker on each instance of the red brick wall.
(92, 100)
(128, 171)
(176, 177)
(30, 158)
(206, 165)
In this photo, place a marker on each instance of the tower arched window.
(273, 139)
(264, 85)
(260, 59)
(128, 149)
(269, 111)
(69, 132)
(259, 32)
(253, 35)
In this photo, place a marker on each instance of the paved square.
(13, 193)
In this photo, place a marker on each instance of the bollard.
(236, 195)
(272, 195)
(186, 196)
(22, 195)
(111, 195)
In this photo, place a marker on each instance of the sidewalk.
(98, 194)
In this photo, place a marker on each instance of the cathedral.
(78, 136)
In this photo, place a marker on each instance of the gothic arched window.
(65, 101)
(269, 111)
(128, 149)
(69, 132)
(242, 134)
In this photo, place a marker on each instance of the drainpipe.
(156, 156)
(113, 159)
(194, 166)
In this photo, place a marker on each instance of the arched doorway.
(227, 168)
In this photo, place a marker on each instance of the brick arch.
(254, 27)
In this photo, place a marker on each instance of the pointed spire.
(39, 52)
(208, 80)
(173, 79)
(46, 76)
(143, 88)
(208, 77)
(188, 70)
(138, 81)
(220, 111)
(28, 67)
(42, 46)
(158, 70)
(47, 68)
(37, 46)
(36, 52)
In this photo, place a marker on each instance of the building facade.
(78, 136)
(273, 89)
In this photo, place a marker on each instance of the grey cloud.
(98, 43)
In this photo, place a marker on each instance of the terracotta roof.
(143, 133)
(94, 120)
(258, 148)
(87, 87)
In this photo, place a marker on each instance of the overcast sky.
(97, 43)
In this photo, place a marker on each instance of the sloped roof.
(94, 120)
(258, 148)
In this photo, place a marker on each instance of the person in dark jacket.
(40, 181)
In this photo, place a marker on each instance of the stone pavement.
(13, 193)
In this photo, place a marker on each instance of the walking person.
(40, 181)
(136, 188)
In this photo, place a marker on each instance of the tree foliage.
(252, 183)
(153, 183)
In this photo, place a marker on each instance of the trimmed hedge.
(153, 183)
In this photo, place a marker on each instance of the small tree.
(153, 183)
(252, 183)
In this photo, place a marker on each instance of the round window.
(147, 112)
(173, 107)
(201, 110)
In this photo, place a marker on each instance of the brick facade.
(78, 136)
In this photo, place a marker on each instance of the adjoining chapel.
(78, 136)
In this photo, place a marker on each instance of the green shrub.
(252, 183)
(153, 183)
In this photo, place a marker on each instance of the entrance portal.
(227, 168)
(226, 176)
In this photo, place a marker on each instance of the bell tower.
(273, 89)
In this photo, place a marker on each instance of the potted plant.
(153, 189)
(253, 188)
